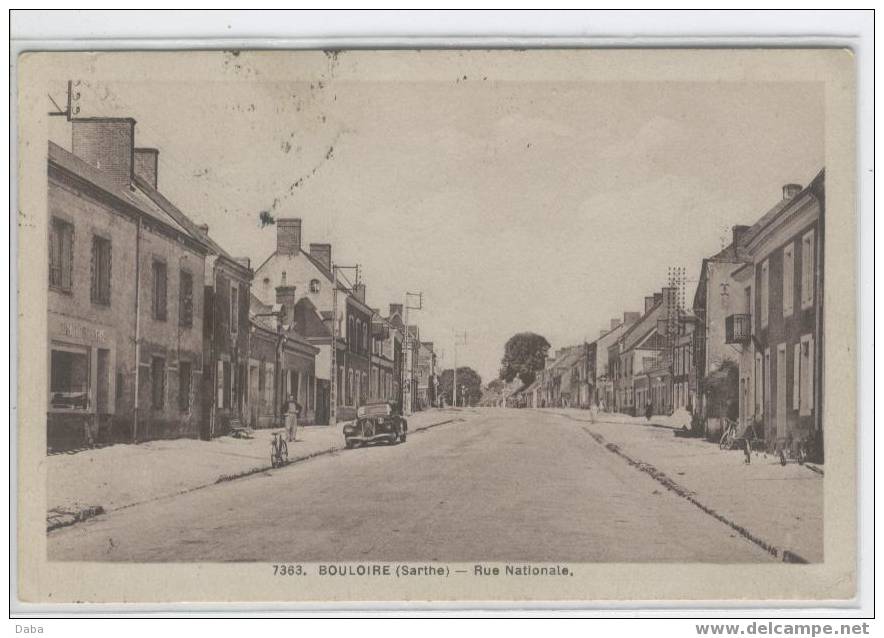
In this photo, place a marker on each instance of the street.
(502, 485)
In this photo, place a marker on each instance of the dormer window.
(314, 285)
(282, 279)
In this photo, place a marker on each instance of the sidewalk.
(92, 482)
(780, 505)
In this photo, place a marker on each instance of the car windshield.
(374, 409)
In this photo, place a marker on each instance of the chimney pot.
(108, 144)
(790, 190)
(146, 164)
(288, 236)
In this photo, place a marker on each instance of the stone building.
(125, 343)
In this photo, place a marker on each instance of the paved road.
(503, 486)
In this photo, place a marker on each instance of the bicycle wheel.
(283, 453)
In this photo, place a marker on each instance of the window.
(158, 382)
(806, 376)
(61, 254)
(185, 299)
(788, 279)
(234, 309)
(282, 279)
(219, 388)
(69, 379)
(158, 305)
(314, 285)
(101, 270)
(184, 385)
(807, 269)
(765, 292)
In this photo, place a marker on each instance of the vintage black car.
(378, 421)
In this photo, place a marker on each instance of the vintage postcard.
(437, 325)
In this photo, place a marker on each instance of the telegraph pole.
(460, 339)
(409, 363)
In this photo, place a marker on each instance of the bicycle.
(729, 436)
(279, 450)
(795, 449)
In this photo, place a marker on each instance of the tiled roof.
(135, 197)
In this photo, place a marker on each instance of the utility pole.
(333, 399)
(407, 398)
(460, 339)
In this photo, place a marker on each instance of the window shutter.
(809, 373)
(796, 377)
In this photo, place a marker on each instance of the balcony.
(738, 328)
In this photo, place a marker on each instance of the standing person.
(292, 412)
(649, 410)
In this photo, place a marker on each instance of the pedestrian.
(292, 412)
(649, 410)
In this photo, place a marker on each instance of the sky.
(512, 204)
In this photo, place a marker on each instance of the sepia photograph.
(462, 316)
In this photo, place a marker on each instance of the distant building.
(309, 275)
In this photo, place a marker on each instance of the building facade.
(782, 331)
(125, 352)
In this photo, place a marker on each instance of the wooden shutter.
(796, 377)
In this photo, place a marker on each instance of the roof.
(183, 220)
(135, 198)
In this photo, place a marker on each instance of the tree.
(523, 355)
(467, 378)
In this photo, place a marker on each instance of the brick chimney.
(286, 297)
(630, 318)
(359, 292)
(288, 236)
(658, 297)
(649, 302)
(146, 164)
(322, 254)
(108, 144)
(790, 190)
(738, 233)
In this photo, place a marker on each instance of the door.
(781, 391)
(254, 398)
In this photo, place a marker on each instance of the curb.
(58, 518)
(785, 555)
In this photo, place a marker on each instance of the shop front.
(81, 393)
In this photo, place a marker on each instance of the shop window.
(61, 254)
(185, 299)
(158, 382)
(101, 270)
(69, 379)
(185, 377)
(158, 305)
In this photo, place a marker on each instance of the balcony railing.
(738, 328)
